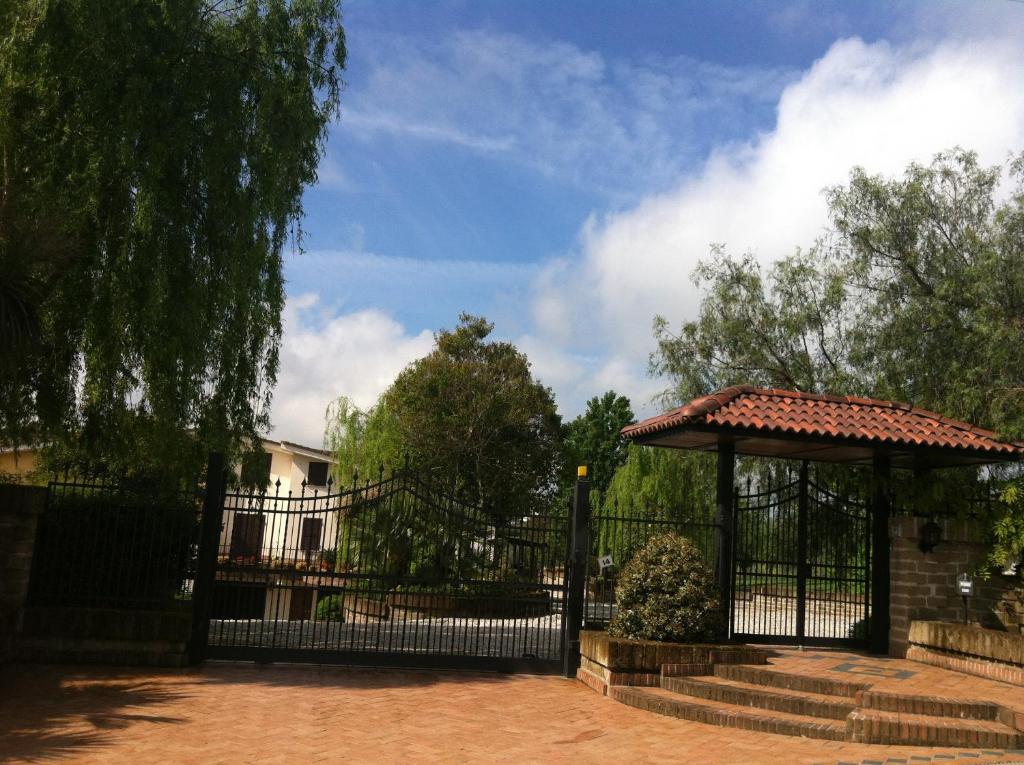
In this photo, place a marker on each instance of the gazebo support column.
(724, 519)
(880, 555)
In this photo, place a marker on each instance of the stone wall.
(923, 585)
(20, 507)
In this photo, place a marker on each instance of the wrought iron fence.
(398, 567)
(107, 544)
(618, 531)
(802, 559)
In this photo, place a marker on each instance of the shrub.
(667, 592)
(114, 548)
(859, 630)
(330, 609)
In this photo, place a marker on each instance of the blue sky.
(561, 167)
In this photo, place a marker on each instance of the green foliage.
(658, 484)
(330, 609)
(667, 592)
(154, 160)
(915, 295)
(1006, 529)
(363, 440)
(664, 484)
(471, 413)
(784, 329)
(124, 549)
(594, 439)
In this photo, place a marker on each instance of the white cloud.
(586, 321)
(617, 126)
(874, 105)
(358, 354)
(331, 176)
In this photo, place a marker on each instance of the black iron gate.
(393, 572)
(617, 532)
(801, 564)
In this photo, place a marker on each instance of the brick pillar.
(20, 507)
(924, 584)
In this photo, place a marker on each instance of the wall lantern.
(929, 536)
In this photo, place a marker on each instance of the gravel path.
(538, 637)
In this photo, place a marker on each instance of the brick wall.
(923, 586)
(20, 506)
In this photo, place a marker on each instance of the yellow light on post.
(581, 471)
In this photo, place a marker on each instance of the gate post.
(206, 559)
(880, 555)
(577, 579)
(724, 518)
(801, 555)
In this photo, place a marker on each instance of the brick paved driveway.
(246, 714)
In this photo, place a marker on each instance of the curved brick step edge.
(787, 681)
(760, 697)
(731, 718)
(934, 706)
(624, 661)
(867, 726)
(968, 665)
(686, 670)
(600, 677)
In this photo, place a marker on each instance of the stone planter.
(620, 661)
(421, 605)
(969, 639)
(361, 610)
(968, 648)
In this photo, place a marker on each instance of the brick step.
(868, 726)
(774, 678)
(933, 706)
(686, 670)
(759, 696)
(665, 702)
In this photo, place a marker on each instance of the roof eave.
(926, 456)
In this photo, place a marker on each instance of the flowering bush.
(667, 592)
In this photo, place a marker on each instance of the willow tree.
(153, 157)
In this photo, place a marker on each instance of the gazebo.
(792, 425)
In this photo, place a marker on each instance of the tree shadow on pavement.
(337, 676)
(50, 711)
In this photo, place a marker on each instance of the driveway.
(227, 713)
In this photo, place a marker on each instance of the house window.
(310, 534)
(256, 469)
(317, 474)
(246, 537)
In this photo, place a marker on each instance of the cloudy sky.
(561, 167)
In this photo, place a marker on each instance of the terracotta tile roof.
(821, 417)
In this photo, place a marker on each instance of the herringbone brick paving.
(248, 714)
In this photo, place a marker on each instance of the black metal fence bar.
(802, 560)
(115, 545)
(616, 534)
(397, 567)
